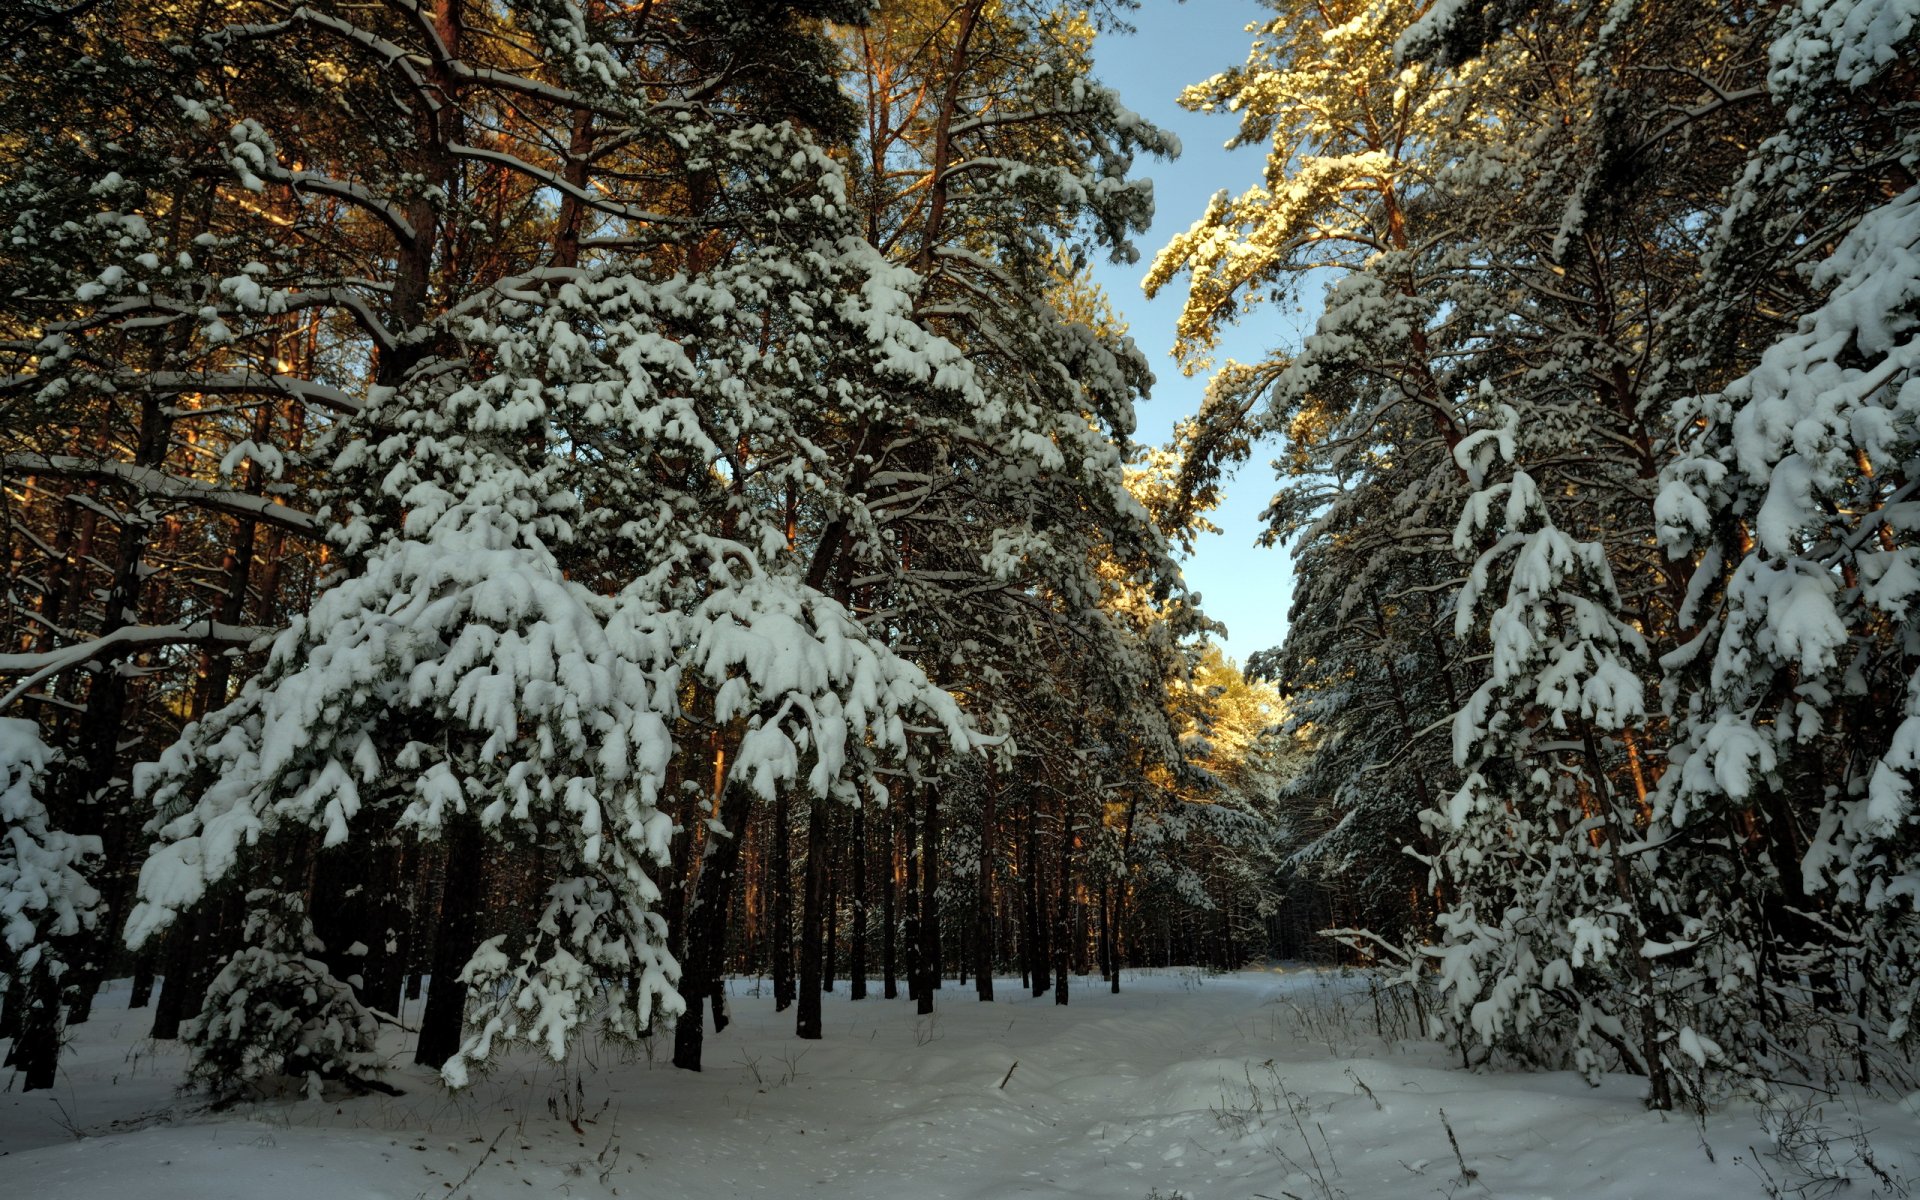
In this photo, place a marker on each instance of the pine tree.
(1789, 793)
(47, 901)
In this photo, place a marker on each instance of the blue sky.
(1242, 585)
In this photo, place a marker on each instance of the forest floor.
(1265, 1083)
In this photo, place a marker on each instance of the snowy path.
(1176, 1086)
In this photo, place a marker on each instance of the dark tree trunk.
(929, 900)
(983, 901)
(890, 986)
(717, 993)
(830, 946)
(193, 949)
(11, 1002)
(1120, 890)
(688, 824)
(1036, 955)
(1109, 959)
(781, 867)
(36, 1045)
(143, 972)
(353, 894)
(707, 929)
(387, 967)
(455, 936)
(1063, 906)
(429, 881)
(911, 950)
(86, 799)
(857, 961)
(812, 919)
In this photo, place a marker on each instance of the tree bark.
(143, 972)
(983, 899)
(781, 867)
(830, 940)
(36, 1045)
(193, 950)
(929, 900)
(456, 935)
(1036, 949)
(912, 900)
(857, 961)
(890, 986)
(812, 918)
(1063, 906)
(707, 929)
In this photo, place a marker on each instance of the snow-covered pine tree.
(47, 901)
(448, 211)
(274, 1010)
(513, 694)
(152, 415)
(1787, 814)
(1552, 917)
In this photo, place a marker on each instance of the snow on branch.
(129, 639)
(157, 483)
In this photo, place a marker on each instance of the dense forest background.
(556, 502)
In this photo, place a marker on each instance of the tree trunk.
(1063, 906)
(857, 961)
(36, 1046)
(1120, 889)
(707, 928)
(143, 972)
(1036, 949)
(393, 922)
(455, 936)
(192, 951)
(11, 1002)
(812, 918)
(912, 900)
(1106, 932)
(830, 942)
(983, 899)
(929, 900)
(1661, 1086)
(890, 986)
(781, 867)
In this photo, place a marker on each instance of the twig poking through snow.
(1008, 1075)
(1467, 1174)
(481, 1162)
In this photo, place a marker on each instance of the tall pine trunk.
(1036, 950)
(780, 866)
(911, 950)
(830, 940)
(857, 961)
(812, 922)
(929, 900)
(983, 899)
(1063, 906)
(456, 934)
(890, 986)
(707, 929)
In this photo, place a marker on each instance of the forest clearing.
(1262, 1082)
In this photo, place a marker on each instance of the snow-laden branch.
(546, 178)
(249, 383)
(341, 189)
(129, 639)
(157, 483)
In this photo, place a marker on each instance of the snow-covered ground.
(1265, 1083)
